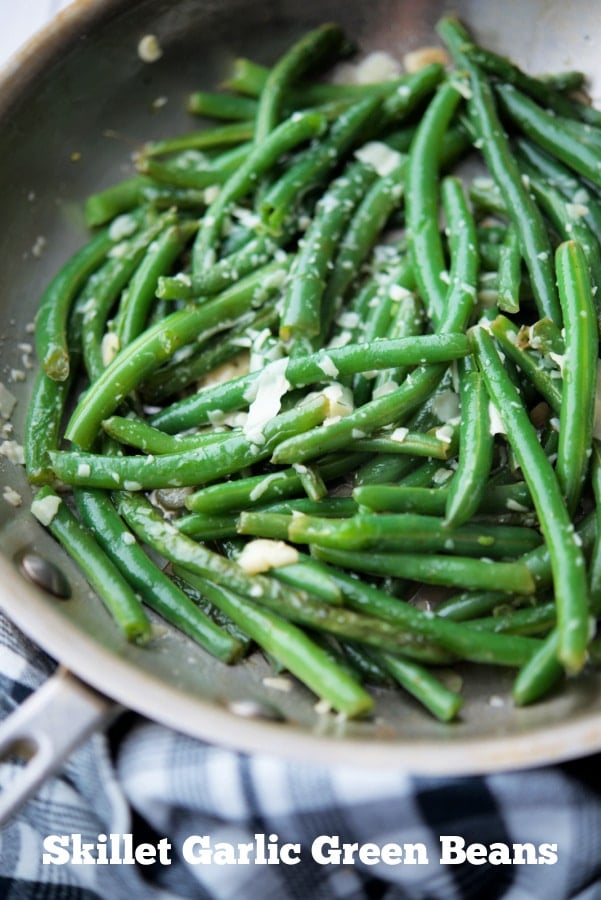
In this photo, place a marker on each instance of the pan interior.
(71, 115)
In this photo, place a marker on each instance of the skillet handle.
(44, 730)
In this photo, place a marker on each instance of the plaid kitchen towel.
(197, 805)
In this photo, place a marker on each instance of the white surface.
(20, 19)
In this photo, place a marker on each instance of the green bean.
(452, 571)
(299, 128)
(204, 139)
(46, 409)
(211, 353)
(544, 93)
(534, 241)
(310, 369)
(51, 319)
(470, 605)
(534, 368)
(461, 230)
(568, 225)
(552, 133)
(221, 106)
(422, 198)
(425, 687)
(375, 414)
(294, 605)
(558, 531)
(468, 483)
(335, 507)
(101, 573)
(498, 649)
(138, 433)
(196, 174)
(383, 470)
(225, 272)
(528, 620)
(300, 320)
(122, 197)
(290, 646)
(207, 528)
(319, 160)
(249, 78)
(567, 81)
(156, 588)
(42, 426)
(104, 287)
(140, 293)
(429, 444)
(390, 532)
(317, 46)
(419, 385)
(409, 320)
(368, 668)
(246, 77)
(186, 467)
(560, 177)
(433, 501)
(539, 674)
(154, 347)
(271, 487)
(595, 556)
(579, 364)
(510, 262)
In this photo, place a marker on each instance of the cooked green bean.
(452, 571)
(155, 587)
(189, 466)
(425, 687)
(155, 346)
(468, 483)
(221, 106)
(498, 649)
(391, 532)
(545, 93)
(576, 416)
(53, 312)
(313, 368)
(494, 145)
(293, 605)
(204, 139)
(318, 161)
(291, 646)
(565, 553)
(553, 133)
(319, 45)
(140, 293)
(531, 363)
(422, 198)
(300, 320)
(295, 130)
(108, 582)
(510, 276)
(122, 197)
(263, 489)
(539, 674)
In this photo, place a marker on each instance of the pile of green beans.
(302, 370)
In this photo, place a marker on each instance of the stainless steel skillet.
(73, 106)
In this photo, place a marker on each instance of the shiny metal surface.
(73, 107)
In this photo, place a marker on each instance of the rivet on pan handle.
(44, 730)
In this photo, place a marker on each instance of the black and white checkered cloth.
(149, 781)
